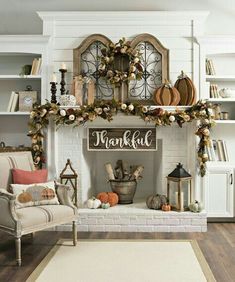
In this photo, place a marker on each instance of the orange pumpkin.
(25, 197)
(166, 95)
(166, 207)
(186, 89)
(108, 197)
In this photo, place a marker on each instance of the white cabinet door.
(219, 192)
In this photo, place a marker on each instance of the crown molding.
(137, 16)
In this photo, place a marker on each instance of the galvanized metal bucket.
(125, 190)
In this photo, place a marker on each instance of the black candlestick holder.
(53, 92)
(62, 82)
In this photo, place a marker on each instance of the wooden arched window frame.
(148, 38)
(86, 43)
(155, 62)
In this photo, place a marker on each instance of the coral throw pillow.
(35, 194)
(29, 177)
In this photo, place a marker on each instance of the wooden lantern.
(179, 175)
(70, 179)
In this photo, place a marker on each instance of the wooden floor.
(217, 245)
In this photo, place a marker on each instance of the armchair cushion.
(37, 217)
(21, 176)
(35, 194)
(22, 160)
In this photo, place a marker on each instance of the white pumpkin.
(93, 203)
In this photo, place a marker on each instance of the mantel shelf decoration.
(40, 115)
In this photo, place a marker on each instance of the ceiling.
(19, 16)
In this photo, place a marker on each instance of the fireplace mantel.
(176, 30)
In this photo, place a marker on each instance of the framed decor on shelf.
(26, 100)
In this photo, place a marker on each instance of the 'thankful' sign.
(122, 139)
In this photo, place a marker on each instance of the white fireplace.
(176, 30)
(173, 143)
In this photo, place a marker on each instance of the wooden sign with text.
(122, 139)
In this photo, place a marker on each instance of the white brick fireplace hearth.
(176, 31)
(174, 145)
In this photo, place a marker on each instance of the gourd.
(93, 203)
(166, 207)
(186, 89)
(108, 197)
(156, 201)
(195, 207)
(24, 197)
(166, 95)
(105, 205)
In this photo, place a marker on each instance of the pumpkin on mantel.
(156, 202)
(108, 197)
(93, 203)
(166, 95)
(186, 89)
(166, 207)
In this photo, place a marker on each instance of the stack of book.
(214, 93)
(36, 66)
(13, 102)
(210, 69)
(217, 151)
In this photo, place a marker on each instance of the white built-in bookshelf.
(218, 185)
(17, 51)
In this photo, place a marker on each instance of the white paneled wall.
(175, 30)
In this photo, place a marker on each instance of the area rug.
(124, 260)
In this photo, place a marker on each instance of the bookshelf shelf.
(221, 100)
(17, 53)
(225, 121)
(217, 58)
(12, 76)
(220, 164)
(14, 113)
(228, 78)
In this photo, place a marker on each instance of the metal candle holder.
(62, 82)
(53, 92)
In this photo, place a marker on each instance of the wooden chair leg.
(32, 235)
(18, 250)
(75, 233)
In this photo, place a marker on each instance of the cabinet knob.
(231, 179)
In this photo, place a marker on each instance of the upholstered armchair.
(27, 220)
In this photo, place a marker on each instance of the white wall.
(19, 16)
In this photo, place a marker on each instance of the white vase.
(67, 100)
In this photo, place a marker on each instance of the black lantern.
(183, 180)
(70, 179)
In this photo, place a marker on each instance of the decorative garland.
(115, 76)
(40, 115)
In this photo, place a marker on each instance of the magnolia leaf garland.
(40, 115)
